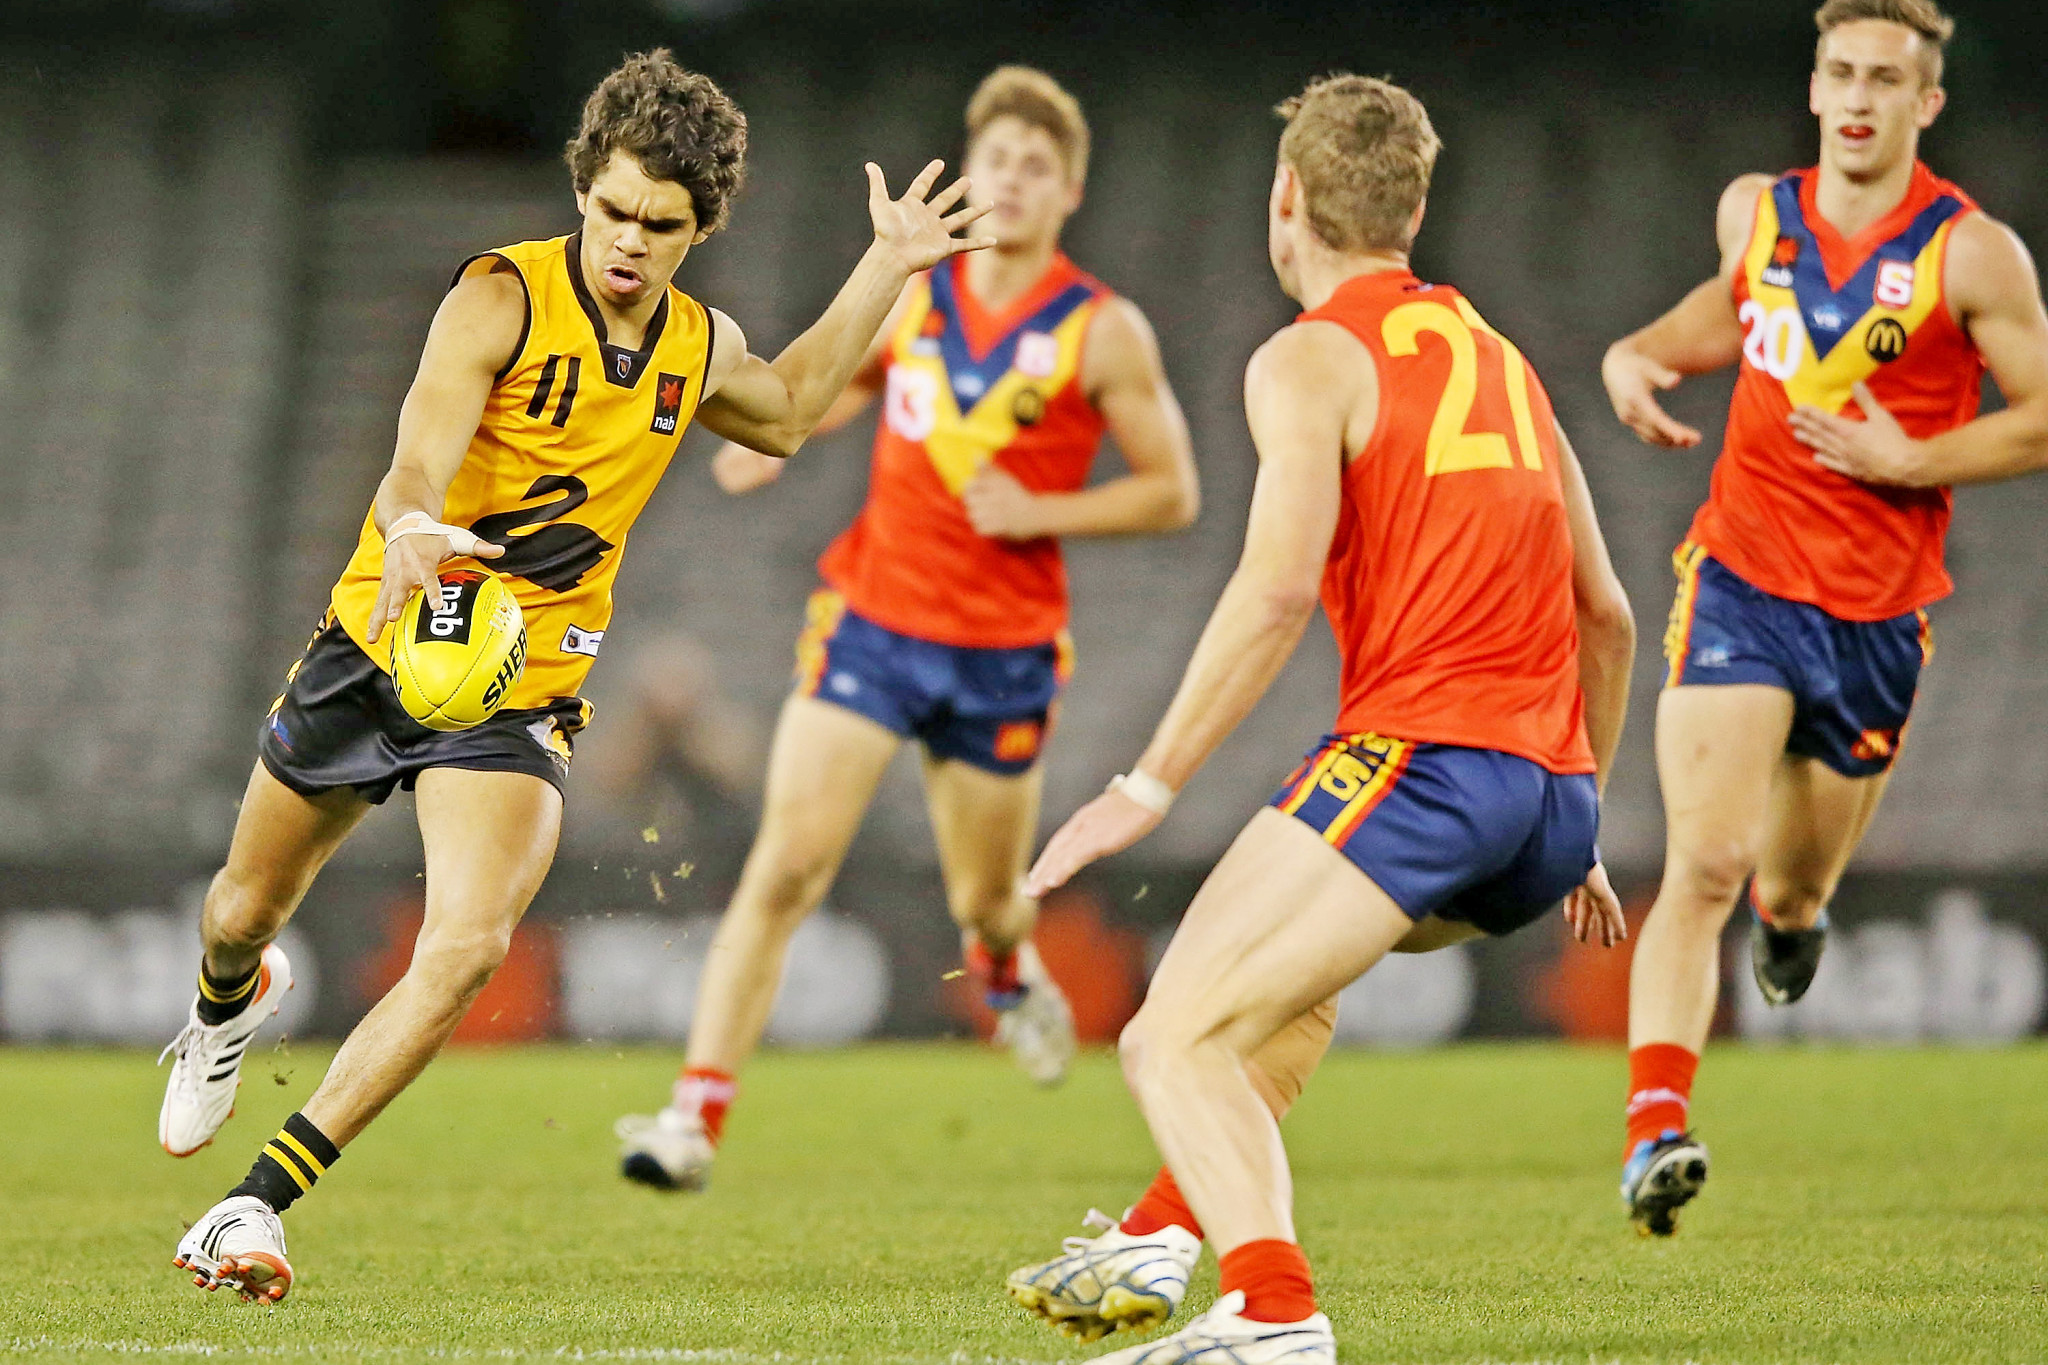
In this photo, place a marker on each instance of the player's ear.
(1415, 220)
(1933, 100)
(1284, 202)
(701, 234)
(1813, 93)
(583, 203)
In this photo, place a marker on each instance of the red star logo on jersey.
(668, 404)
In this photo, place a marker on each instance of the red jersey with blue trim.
(968, 388)
(1449, 582)
(1819, 313)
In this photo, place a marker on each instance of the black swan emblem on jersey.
(557, 555)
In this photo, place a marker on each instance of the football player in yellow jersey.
(556, 381)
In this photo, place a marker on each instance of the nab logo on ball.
(459, 650)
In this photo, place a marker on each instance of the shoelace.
(1097, 1220)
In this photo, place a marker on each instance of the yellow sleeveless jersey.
(574, 437)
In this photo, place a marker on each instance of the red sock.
(707, 1092)
(997, 971)
(1274, 1277)
(1659, 1090)
(1162, 1205)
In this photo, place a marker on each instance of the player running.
(556, 381)
(1409, 465)
(1863, 299)
(943, 619)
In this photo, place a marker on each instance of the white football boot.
(669, 1150)
(1116, 1279)
(1039, 1028)
(240, 1244)
(200, 1095)
(1221, 1337)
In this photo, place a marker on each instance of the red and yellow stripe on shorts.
(1686, 559)
(822, 615)
(1358, 770)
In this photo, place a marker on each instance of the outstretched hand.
(1111, 823)
(1592, 906)
(1874, 450)
(920, 231)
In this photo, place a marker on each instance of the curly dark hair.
(677, 124)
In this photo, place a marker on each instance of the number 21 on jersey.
(1450, 448)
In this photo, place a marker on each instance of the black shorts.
(339, 724)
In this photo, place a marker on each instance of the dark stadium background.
(224, 224)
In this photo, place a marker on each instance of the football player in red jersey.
(1863, 299)
(1411, 475)
(943, 619)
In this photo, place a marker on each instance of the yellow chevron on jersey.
(574, 438)
(974, 408)
(1818, 340)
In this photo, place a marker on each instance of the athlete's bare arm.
(1699, 335)
(1607, 651)
(1122, 375)
(1996, 295)
(475, 332)
(773, 408)
(738, 469)
(1311, 393)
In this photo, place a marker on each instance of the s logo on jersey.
(911, 405)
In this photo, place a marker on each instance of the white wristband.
(420, 524)
(1145, 789)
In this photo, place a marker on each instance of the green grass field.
(1459, 1205)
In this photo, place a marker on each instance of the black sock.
(289, 1164)
(221, 998)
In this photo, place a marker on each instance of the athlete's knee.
(1710, 874)
(244, 910)
(458, 962)
(1156, 1039)
(784, 882)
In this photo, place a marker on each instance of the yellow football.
(457, 650)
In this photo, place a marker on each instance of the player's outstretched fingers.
(960, 218)
(951, 195)
(926, 178)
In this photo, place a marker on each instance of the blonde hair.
(1924, 17)
(1364, 150)
(1026, 93)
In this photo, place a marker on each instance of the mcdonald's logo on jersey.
(1886, 340)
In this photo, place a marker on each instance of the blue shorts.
(989, 707)
(1852, 682)
(1474, 835)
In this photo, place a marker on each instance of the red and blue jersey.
(968, 388)
(1821, 312)
(1449, 582)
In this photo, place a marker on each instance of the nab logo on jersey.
(1784, 256)
(668, 403)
